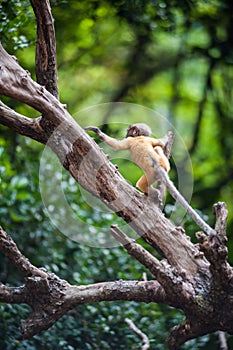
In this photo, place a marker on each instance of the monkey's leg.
(144, 184)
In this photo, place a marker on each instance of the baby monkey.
(148, 153)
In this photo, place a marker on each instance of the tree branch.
(52, 300)
(21, 124)
(164, 273)
(140, 334)
(50, 297)
(80, 155)
(184, 332)
(215, 250)
(187, 279)
(46, 66)
(169, 139)
(12, 295)
(222, 340)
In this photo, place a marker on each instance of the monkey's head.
(139, 129)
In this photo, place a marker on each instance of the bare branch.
(15, 82)
(215, 250)
(12, 295)
(169, 143)
(51, 297)
(144, 291)
(140, 334)
(222, 340)
(50, 302)
(221, 213)
(46, 66)
(183, 332)
(21, 124)
(137, 251)
(11, 251)
(164, 273)
(169, 139)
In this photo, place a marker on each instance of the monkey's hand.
(96, 130)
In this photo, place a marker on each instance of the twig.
(137, 251)
(163, 272)
(169, 143)
(140, 334)
(222, 340)
(161, 186)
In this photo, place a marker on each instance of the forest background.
(174, 57)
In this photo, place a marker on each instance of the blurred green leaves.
(172, 56)
(16, 18)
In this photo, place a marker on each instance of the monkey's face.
(132, 131)
(139, 129)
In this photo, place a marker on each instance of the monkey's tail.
(182, 201)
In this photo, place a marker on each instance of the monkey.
(148, 154)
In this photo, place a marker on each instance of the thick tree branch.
(85, 161)
(50, 297)
(184, 332)
(16, 83)
(188, 280)
(46, 66)
(215, 250)
(164, 273)
(12, 295)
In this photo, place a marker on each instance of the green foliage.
(15, 17)
(172, 56)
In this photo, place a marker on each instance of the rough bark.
(86, 161)
(50, 297)
(200, 285)
(195, 279)
(46, 65)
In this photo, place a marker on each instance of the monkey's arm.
(160, 142)
(115, 144)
